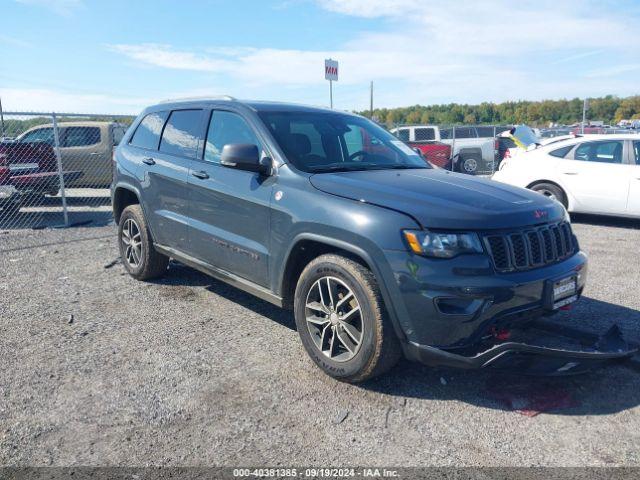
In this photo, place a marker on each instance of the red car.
(436, 153)
(28, 170)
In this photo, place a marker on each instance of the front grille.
(531, 247)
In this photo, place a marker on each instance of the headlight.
(442, 244)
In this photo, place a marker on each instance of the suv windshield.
(327, 142)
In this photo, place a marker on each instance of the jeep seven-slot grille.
(530, 248)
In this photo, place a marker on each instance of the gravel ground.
(99, 369)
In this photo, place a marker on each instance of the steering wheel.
(359, 153)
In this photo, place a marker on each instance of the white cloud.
(61, 7)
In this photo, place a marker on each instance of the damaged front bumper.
(540, 348)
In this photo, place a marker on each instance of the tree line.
(611, 109)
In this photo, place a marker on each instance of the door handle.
(201, 175)
(149, 161)
(94, 153)
(570, 173)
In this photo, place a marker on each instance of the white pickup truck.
(473, 148)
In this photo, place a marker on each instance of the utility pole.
(585, 107)
(371, 101)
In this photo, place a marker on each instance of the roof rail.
(204, 97)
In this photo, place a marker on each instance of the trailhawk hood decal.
(440, 199)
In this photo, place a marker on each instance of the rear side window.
(80, 136)
(465, 132)
(601, 152)
(403, 134)
(486, 132)
(226, 128)
(425, 134)
(561, 152)
(147, 135)
(180, 136)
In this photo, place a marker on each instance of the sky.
(118, 56)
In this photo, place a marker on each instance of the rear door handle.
(149, 161)
(570, 173)
(94, 153)
(201, 175)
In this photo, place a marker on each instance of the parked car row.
(587, 174)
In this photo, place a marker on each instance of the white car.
(589, 174)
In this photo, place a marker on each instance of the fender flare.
(370, 263)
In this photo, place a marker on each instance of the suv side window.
(602, 152)
(636, 149)
(226, 128)
(147, 134)
(425, 134)
(80, 136)
(181, 133)
(39, 135)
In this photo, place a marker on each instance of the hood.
(441, 199)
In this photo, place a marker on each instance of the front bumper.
(449, 304)
(542, 348)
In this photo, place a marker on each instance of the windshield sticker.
(403, 147)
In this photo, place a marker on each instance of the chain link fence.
(55, 171)
(470, 149)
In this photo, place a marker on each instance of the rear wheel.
(552, 191)
(342, 321)
(469, 165)
(139, 257)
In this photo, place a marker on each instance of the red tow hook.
(502, 334)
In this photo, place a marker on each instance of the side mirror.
(245, 156)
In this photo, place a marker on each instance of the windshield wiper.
(341, 168)
(400, 167)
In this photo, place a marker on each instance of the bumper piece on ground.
(542, 348)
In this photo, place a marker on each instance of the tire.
(140, 258)
(345, 359)
(469, 165)
(551, 190)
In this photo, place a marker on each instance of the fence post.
(63, 193)
(453, 147)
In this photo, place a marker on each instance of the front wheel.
(552, 191)
(342, 321)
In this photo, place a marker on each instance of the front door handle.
(149, 161)
(570, 173)
(202, 175)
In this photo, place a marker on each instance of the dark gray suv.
(377, 253)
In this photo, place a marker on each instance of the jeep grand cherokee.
(376, 253)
